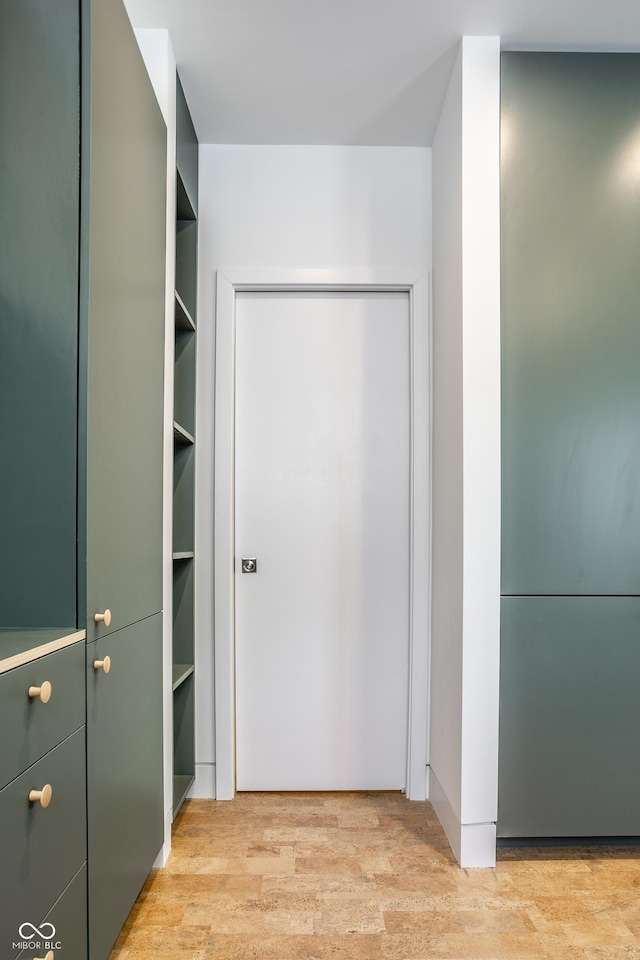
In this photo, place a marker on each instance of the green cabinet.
(571, 337)
(570, 642)
(122, 349)
(43, 844)
(124, 241)
(39, 191)
(124, 773)
(82, 304)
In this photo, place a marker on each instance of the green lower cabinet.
(124, 773)
(569, 717)
(64, 929)
(43, 817)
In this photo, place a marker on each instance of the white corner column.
(466, 420)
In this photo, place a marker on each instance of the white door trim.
(228, 283)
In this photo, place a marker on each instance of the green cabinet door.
(39, 156)
(569, 764)
(124, 774)
(570, 324)
(124, 244)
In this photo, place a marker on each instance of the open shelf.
(186, 263)
(180, 435)
(181, 785)
(183, 319)
(180, 673)
(184, 207)
(184, 452)
(185, 381)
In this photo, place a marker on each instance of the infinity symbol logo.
(46, 932)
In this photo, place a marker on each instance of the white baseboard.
(473, 844)
(165, 849)
(204, 786)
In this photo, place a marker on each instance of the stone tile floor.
(370, 876)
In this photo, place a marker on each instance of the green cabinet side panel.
(569, 714)
(125, 338)
(39, 162)
(571, 323)
(42, 848)
(124, 774)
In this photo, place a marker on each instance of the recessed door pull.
(249, 564)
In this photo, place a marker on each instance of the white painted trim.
(228, 283)
(473, 844)
(204, 785)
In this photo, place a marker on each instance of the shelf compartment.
(183, 555)
(182, 436)
(180, 673)
(184, 384)
(184, 763)
(187, 263)
(183, 319)
(183, 633)
(183, 496)
(182, 783)
(184, 208)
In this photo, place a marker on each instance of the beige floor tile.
(371, 877)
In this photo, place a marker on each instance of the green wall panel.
(39, 160)
(571, 323)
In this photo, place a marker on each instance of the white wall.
(290, 208)
(466, 455)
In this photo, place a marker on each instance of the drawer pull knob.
(48, 956)
(102, 664)
(42, 796)
(103, 618)
(43, 692)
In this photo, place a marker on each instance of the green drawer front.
(36, 727)
(64, 928)
(42, 849)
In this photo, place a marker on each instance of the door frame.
(228, 284)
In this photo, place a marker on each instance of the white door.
(322, 503)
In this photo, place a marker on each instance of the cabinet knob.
(103, 618)
(48, 956)
(43, 692)
(41, 796)
(102, 664)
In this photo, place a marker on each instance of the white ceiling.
(370, 72)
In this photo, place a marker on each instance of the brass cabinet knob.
(102, 664)
(43, 692)
(42, 796)
(103, 618)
